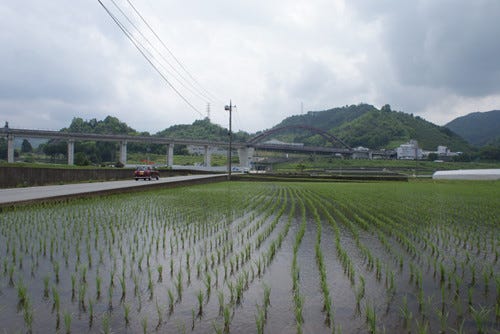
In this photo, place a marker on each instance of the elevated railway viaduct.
(245, 150)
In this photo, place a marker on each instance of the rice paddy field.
(250, 257)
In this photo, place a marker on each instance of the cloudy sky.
(62, 59)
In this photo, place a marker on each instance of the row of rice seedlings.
(237, 259)
(298, 298)
(327, 302)
(360, 289)
(239, 284)
(261, 317)
(328, 207)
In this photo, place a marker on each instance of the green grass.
(403, 166)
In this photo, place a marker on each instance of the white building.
(409, 151)
(361, 152)
(443, 150)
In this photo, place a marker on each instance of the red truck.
(146, 173)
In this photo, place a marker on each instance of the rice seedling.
(55, 266)
(193, 317)
(267, 296)
(422, 328)
(371, 318)
(91, 302)
(260, 320)
(217, 329)
(406, 313)
(159, 312)
(11, 275)
(443, 318)
(28, 315)
(208, 285)
(110, 297)
(98, 282)
(179, 285)
(82, 290)
(106, 323)
(480, 316)
(73, 286)
(67, 322)
(200, 297)
(22, 294)
(46, 280)
(221, 301)
(227, 318)
(144, 324)
(123, 285)
(126, 314)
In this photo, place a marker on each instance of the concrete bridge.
(246, 151)
(71, 137)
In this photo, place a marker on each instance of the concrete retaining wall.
(16, 176)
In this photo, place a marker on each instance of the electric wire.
(213, 97)
(194, 90)
(138, 46)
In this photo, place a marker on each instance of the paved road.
(14, 196)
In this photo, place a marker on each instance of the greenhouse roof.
(468, 174)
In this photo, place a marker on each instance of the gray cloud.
(441, 44)
(63, 59)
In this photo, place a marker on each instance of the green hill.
(365, 125)
(478, 128)
(201, 129)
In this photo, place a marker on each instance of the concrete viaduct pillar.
(245, 154)
(208, 156)
(71, 152)
(10, 148)
(170, 155)
(123, 152)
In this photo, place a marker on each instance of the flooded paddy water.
(257, 257)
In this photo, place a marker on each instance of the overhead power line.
(183, 81)
(172, 55)
(143, 52)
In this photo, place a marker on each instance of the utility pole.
(230, 109)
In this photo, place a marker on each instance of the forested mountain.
(202, 129)
(365, 125)
(478, 128)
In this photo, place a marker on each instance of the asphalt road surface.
(15, 196)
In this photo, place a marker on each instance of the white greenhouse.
(468, 174)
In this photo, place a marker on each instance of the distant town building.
(443, 153)
(409, 151)
(443, 150)
(361, 152)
